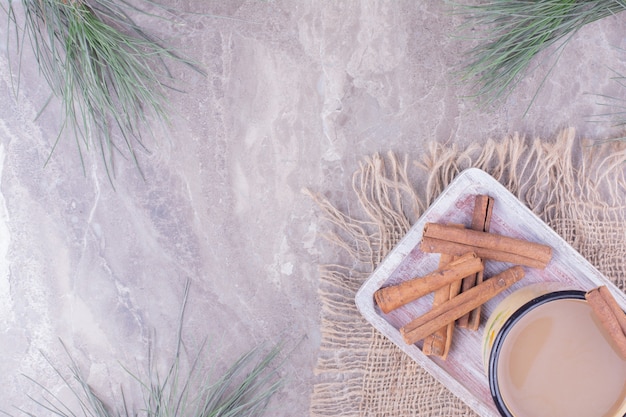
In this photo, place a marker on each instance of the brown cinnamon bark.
(392, 297)
(612, 303)
(481, 221)
(489, 242)
(434, 245)
(610, 315)
(438, 343)
(448, 312)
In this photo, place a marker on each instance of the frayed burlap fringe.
(579, 190)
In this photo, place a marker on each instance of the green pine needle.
(243, 390)
(517, 31)
(108, 73)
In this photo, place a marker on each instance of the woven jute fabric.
(577, 189)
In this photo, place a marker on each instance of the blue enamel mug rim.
(504, 331)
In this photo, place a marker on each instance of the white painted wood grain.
(463, 371)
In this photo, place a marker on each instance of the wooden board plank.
(463, 371)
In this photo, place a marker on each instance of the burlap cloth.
(577, 190)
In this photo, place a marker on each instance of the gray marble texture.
(297, 93)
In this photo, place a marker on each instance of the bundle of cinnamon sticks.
(458, 284)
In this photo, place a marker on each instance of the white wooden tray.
(463, 372)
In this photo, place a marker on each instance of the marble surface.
(297, 92)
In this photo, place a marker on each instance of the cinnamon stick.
(431, 245)
(439, 238)
(610, 315)
(392, 297)
(438, 343)
(448, 312)
(489, 241)
(481, 221)
(612, 302)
